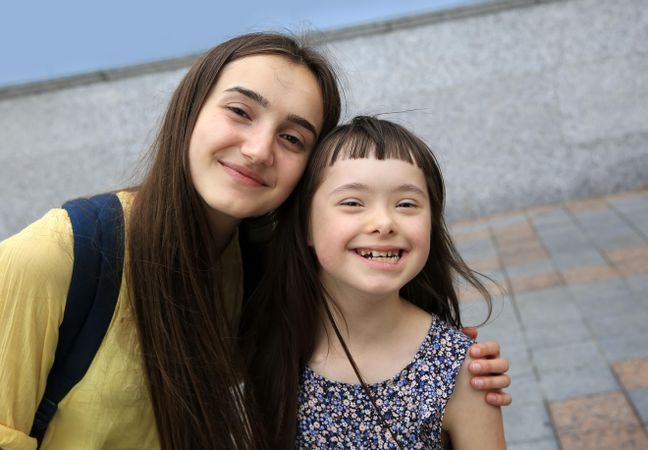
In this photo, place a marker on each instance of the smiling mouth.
(391, 256)
(243, 174)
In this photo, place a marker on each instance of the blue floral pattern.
(335, 415)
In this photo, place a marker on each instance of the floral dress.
(335, 415)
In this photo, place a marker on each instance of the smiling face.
(370, 225)
(253, 137)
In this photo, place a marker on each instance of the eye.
(351, 203)
(239, 112)
(293, 140)
(407, 204)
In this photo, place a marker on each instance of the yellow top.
(109, 408)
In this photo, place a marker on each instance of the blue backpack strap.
(98, 226)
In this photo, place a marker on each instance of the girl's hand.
(491, 367)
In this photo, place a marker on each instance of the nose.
(382, 222)
(258, 148)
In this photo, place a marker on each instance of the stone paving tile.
(612, 241)
(586, 205)
(582, 257)
(531, 268)
(634, 201)
(588, 274)
(467, 226)
(567, 252)
(594, 308)
(477, 249)
(603, 421)
(513, 232)
(609, 289)
(639, 286)
(524, 252)
(519, 359)
(630, 261)
(639, 399)
(608, 229)
(625, 347)
(512, 218)
(525, 388)
(535, 282)
(600, 219)
(518, 244)
(569, 356)
(603, 410)
(569, 383)
(548, 216)
(639, 220)
(574, 325)
(559, 333)
(485, 264)
(471, 235)
(546, 307)
(542, 444)
(526, 422)
(638, 283)
(633, 374)
(605, 298)
(558, 244)
(624, 324)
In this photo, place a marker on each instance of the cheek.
(420, 235)
(290, 169)
(324, 233)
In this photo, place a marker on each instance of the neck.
(382, 334)
(364, 320)
(222, 228)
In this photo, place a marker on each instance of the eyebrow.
(261, 100)
(255, 96)
(363, 187)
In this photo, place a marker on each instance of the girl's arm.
(489, 370)
(471, 423)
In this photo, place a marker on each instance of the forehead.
(285, 84)
(370, 171)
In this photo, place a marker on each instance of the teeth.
(391, 256)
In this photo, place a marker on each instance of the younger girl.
(363, 284)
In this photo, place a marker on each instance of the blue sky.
(42, 39)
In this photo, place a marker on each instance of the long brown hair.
(280, 322)
(186, 334)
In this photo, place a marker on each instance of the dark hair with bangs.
(281, 321)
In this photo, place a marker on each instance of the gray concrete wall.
(524, 103)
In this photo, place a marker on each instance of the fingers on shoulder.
(486, 349)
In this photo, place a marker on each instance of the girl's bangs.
(366, 142)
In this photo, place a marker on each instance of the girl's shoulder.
(443, 331)
(445, 345)
(35, 272)
(40, 247)
(39, 258)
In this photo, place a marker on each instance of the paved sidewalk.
(573, 320)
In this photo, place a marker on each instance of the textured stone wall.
(524, 103)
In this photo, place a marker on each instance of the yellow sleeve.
(35, 272)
